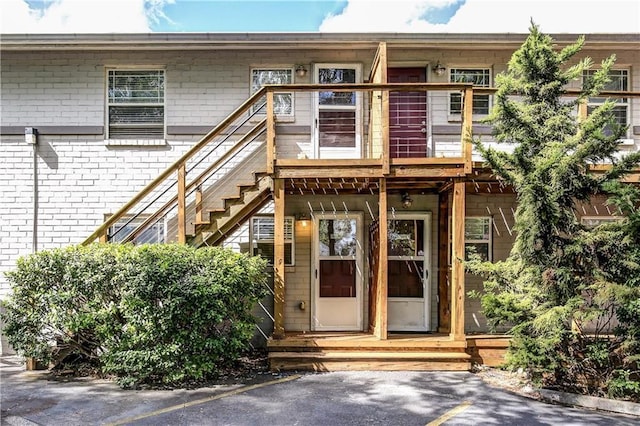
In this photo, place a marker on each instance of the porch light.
(406, 200)
(303, 219)
(301, 71)
(439, 69)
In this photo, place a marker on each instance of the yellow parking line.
(450, 414)
(202, 401)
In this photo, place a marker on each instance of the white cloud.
(80, 16)
(489, 16)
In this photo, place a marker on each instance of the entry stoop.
(360, 351)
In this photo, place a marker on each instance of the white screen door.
(408, 307)
(337, 272)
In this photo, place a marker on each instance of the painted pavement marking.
(450, 414)
(203, 400)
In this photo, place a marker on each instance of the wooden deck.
(363, 351)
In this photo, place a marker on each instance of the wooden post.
(457, 258)
(182, 204)
(381, 330)
(386, 161)
(582, 110)
(444, 312)
(271, 134)
(103, 237)
(278, 259)
(467, 130)
(198, 219)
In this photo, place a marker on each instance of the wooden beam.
(457, 258)
(199, 216)
(271, 134)
(381, 330)
(326, 162)
(582, 110)
(328, 172)
(182, 204)
(467, 130)
(278, 259)
(385, 110)
(444, 311)
(427, 172)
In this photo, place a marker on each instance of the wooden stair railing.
(178, 167)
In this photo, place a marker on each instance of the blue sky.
(247, 15)
(416, 16)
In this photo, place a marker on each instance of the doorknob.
(423, 130)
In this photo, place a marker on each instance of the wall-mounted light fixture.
(439, 69)
(301, 71)
(303, 219)
(31, 135)
(406, 200)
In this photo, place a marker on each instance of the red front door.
(407, 115)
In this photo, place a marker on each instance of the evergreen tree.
(561, 275)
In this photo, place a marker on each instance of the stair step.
(370, 360)
(371, 355)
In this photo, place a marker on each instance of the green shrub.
(160, 314)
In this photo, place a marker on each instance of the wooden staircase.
(361, 351)
(231, 201)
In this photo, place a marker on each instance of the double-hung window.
(619, 81)
(282, 101)
(480, 77)
(477, 237)
(135, 103)
(263, 236)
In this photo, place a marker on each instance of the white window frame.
(142, 139)
(289, 237)
(160, 225)
(596, 101)
(457, 115)
(254, 89)
(588, 221)
(488, 241)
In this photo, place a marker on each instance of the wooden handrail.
(174, 167)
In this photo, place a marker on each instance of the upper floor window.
(478, 237)
(262, 236)
(135, 101)
(478, 77)
(282, 101)
(619, 81)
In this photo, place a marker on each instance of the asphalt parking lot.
(340, 398)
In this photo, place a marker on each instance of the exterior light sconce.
(303, 219)
(31, 135)
(406, 200)
(301, 71)
(439, 69)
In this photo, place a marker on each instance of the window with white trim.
(592, 221)
(154, 233)
(282, 101)
(619, 82)
(262, 236)
(478, 237)
(135, 104)
(478, 77)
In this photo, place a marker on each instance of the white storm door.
(408, 305)
(337, 272)
(337, 121)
